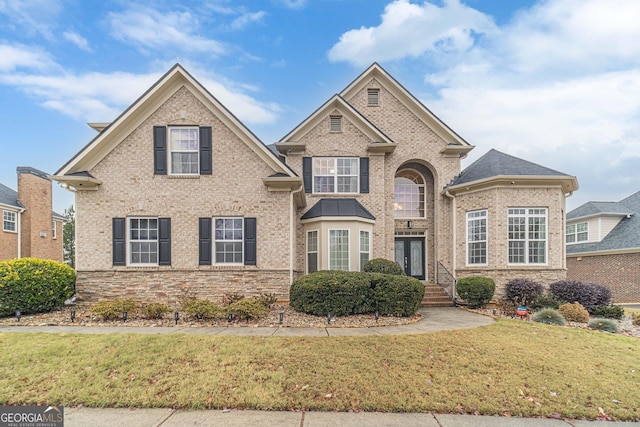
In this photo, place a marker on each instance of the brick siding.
(620, 272)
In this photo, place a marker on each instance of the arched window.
(408, 194)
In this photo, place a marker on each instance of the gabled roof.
(9, 197)
(375, 71)
(291, 140)
(176, 78)
(496, 167)
(625, 235)
(338, 208)
(590, 209)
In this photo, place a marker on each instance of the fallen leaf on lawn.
(328, 395)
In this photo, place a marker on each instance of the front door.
(409, 253)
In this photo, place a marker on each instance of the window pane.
(312, 262)
(409, 194)
(339, 250)
(229, 240)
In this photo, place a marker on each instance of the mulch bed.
(291, 319)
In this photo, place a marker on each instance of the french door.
(409, 253)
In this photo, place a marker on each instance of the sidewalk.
(435, 319)
(82, 417)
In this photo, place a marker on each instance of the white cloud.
(32, 16)
(409, 29)
(246, 19)
(152, 29)
(77, 39)
(293, 4)
(17, 56)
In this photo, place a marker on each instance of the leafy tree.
(69, 237)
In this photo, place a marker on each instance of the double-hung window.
(9, 221)
(228, 240)
(54, 230)
(365, 248)
(477, 237)
(527, 232)
(577, 232)
(335, 175)
(312, 251)
(339, 250)
(184, 150)
(143, 241)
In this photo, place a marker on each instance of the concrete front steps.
(435, 296)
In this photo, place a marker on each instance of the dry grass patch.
(510, 367)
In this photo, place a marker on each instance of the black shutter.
(159, 150)
(118, 230)
(204, 231)
(205, 151)
(364, 174)
(164, 241)
(307, 174)
(249, 241)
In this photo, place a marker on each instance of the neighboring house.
(29, 227)
(603, 246)
(177, 197)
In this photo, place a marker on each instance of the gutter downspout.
(292, 233)
(455, 241)
(19, 227)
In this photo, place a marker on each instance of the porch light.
(124, 316)
(18, 315)
(176, 316)
(409, 224)
(73, 315)
(281, 318)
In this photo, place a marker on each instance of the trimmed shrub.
(385, 266)
(477, 291)
(248, 308)
(590, 295)
(546, 300)
(268, 299)
(34, 285)
(574, 312)
(606, 325)
(636, 319)
(523, 291)
(113, 309)
(228, 299)
(337, 292)
(396, 295)
(155, 310)
(549, 316)
(609, 311)
(202, 309)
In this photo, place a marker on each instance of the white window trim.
(54, 230)
(526, 240)
(213, 251)
(15, 221)
(348, 247)
(317, 251)
(335, 175)
(576, 232)
(129, 252)
(486, 240)
(170, 151)
(360, 231)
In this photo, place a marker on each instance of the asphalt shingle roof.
(495, 163)
(9, 197)
(338, 207)
(625, 235)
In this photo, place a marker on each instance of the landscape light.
(281, 318)
(124, 316)
(230, 317)
(377, 315)
(176, 317)
(18, 315)
(328, 318)
(73, 315)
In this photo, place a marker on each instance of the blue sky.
(555, 82)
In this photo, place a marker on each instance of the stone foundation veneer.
(172, 286)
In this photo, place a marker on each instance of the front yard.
(508, 368)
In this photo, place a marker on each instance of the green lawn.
(510, 367)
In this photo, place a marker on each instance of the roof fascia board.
(604, 252)
(11, 207)
(596, 215)
(337, 219)
(568, 183)
(407, 99)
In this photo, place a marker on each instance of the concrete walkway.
(436, 319)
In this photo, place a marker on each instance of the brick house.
(177, 195)
(30, 228)
(603, 246)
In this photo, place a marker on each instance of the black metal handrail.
(446, 280)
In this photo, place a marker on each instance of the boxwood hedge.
(342, 293)
(34, 285)
(477, 291)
